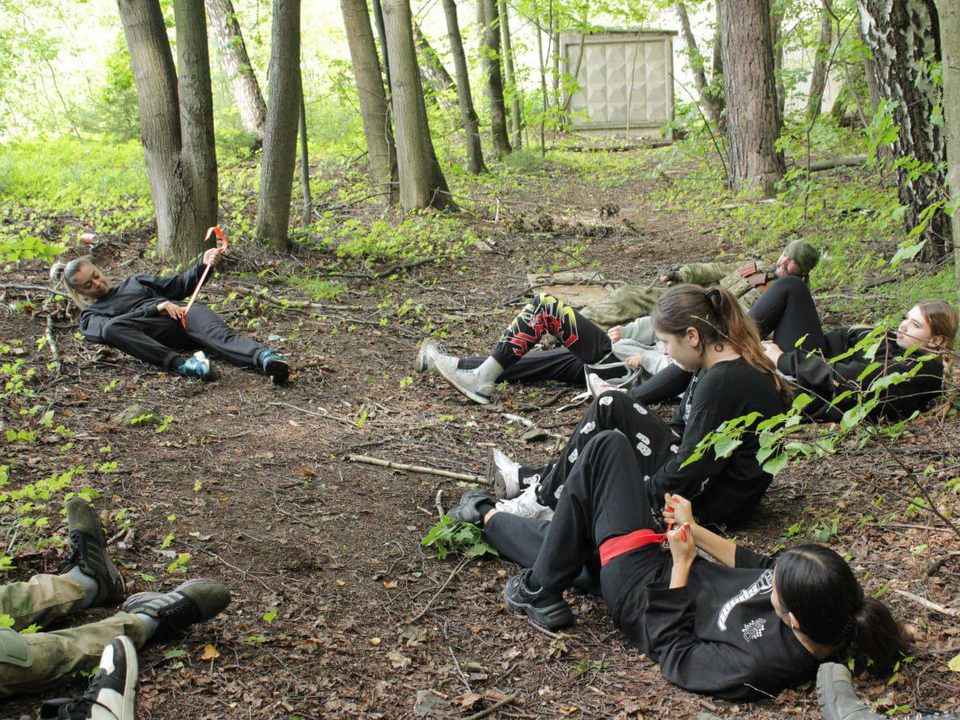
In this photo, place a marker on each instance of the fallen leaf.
(397, 660)
(390, 585)
(375, 641)
(954, 664)
(209, 653)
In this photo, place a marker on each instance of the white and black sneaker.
(467, 382)
(112, 694)
(504, 475)
(526, 504)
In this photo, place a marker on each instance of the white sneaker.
(503, 474)
(467, 382)
(526, 505)
(112, 694)
(427, 355)
(598, 386)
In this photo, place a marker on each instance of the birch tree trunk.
(516, 119)
(471, 125)
(950, 48)
(374, 112)
(498, 111)
(901, 34)
(696, 63)
(422, 183)
(237, 67)
(818, 80)
(280, 135)
(177, 139)
(751, 96)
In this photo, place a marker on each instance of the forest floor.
(337, 608)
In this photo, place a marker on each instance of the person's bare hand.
(669, 278)
(212, 257)
(171, 310)
(677, 510)
(772, 351)
(615, 333)
(682, 547)
(634, 361)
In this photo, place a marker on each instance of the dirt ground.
(252, 482)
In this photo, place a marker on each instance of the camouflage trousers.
(623, 305)
(31, 662)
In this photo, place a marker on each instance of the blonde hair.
(64, 273)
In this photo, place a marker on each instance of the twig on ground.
(493, 708)
(439, 503)
(54, 350)
(468, 477)
(38, 288)
(928, 604)
(325, 415)
(460, 566)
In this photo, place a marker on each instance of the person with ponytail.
(706, 332)
(144, 316)
(742, 628)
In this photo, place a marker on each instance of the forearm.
(725, 551)
(680, 574)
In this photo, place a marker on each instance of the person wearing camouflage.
(36, 660)
(747, 282)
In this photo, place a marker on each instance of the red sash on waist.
(617, 546)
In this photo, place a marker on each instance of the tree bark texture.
(307, 213)
(471, 125)
(433, 74)
(716, 75)
(280, 135)
(776, 40)
(422, 183)
(491, 48)
(950, 48)
(174, 170)
(374, 112)
(751, 96)
(901, 34)
(818, 79)
(237, 67)
(510, 76)
(696, 63)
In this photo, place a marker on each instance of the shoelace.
(73, 558)
(86, 701)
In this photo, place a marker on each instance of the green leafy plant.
(448, 537)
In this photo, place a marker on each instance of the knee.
(114, 331)
(611, 404)
(607, 441)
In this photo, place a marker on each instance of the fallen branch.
(849, 161)
(54, 350)
(366, 459)
(493, 708)
(38, 288)
(928, 604)
(325, 415)
(460, 566)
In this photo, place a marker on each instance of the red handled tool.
(221, 248)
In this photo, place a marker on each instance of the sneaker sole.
(278, 372)
(129, 709)
(476, 397)
(552, 617)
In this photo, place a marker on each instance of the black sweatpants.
(603, 499)
(160, 340)
(558, 364)
(652, 440)
(786, 312)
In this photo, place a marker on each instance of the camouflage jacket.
(746, 281)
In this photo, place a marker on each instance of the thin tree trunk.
(382, 34)
(818, 80)
(543, 83)
(471, 125)
(716, 76)
(900, 35)
(422, 183)
(433, 74)
(870, 76)
(498, 111)
(556, 68)
(696, 62)
(516, 118)
(182, 205)
(950, 47)
(305, 162)
(237, 67)
(374, 112)
(280, 136)
(776, 36)
(750, 92)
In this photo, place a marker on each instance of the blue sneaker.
(196, 367)
(275, 367)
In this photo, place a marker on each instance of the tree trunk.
(280, 135)
(307, 213)
(178, 159)
(900, 35)
(716, 76)
(433, 74)
(696, 63)
(471, 125)
(950, 47)
(776, 39)
(382, 34)
(374, 113)
(555, 39)
(516, 119)
(818, 81)
(422, 183)
(498, 111)
(237, 67)
(751, 96)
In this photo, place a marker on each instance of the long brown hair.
(942, 318)
(718, 317)
(65, 272)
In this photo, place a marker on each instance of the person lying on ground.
(747, 281)
(112, 694)
(583, 339)
(802, 350)
(706, 332)
(144, 317)
(35, 661)
(742, 628)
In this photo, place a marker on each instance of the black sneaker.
(189, 603)
(88, 551)
(474, 505)
(545, 608)
(275, 367)
(113, 690)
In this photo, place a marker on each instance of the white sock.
(89, 584)
(490, 370)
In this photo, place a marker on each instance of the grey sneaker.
(427, 355)
(88, 551)
(474, 505)
(467, 382)
(189, 603)
(545, 608)
(837, 697)
(504, 475)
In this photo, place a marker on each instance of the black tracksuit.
(127, 319)
(721, 489)
(719, 635)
